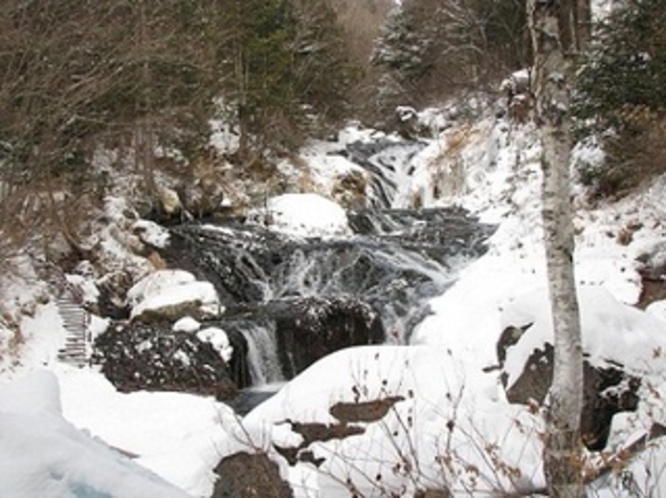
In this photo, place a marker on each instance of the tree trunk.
(583, 24)
(562, 465)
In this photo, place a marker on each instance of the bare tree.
(561, 454)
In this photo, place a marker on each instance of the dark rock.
(309, 329)
(111, 301)
(249, 476)
(312, 432)
(510, 336)
(606, 391)
(364, 411)
(155, 358)
(433, 493)
(238, 364)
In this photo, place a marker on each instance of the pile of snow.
(178, 436)
(613, 332)
(41, 454)
(303, 215)
(166, 292)
(441, 431)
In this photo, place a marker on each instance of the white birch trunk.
(561, 455)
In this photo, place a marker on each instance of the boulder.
(245, 475)
(204, 197)
(606, 390)
(154, 357)
(308, 329)
(168, 295)
(349, 189)
(169, 202)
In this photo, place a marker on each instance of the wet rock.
(312, 432)
(606, 391)
(243, 475)
(309, 329)
(350, 189)
(153, 357)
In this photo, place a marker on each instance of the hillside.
(448, 372)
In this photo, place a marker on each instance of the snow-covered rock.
(172, 294)
(219, 339)
(303, 215)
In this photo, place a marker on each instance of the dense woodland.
(143, 73)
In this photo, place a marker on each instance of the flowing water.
(393, 264)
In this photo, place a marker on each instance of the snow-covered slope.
(41, 454)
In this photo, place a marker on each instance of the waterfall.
(270, 283)
(262, 355)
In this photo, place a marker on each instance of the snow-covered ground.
(451, 422)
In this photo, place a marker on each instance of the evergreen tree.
(621, 96)
(626, 67)
(284, 64)
(433, 49)
(323, 69)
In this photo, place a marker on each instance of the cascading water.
(262, 355)
(295, 300)
(394, 263)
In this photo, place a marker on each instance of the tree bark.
(562, 465)
(583, 24)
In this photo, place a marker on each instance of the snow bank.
(613, 332)
(439, 415)
(41, 454)
(178, 436)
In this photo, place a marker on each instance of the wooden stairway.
(75, 319)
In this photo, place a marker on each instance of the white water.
(262, 356)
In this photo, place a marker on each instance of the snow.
(176, 435)
(217, 338)
(303, 215)
(613, 332)
(442, 377)
(165, 289)
(186, 324)
(434, 392)
(41, 454)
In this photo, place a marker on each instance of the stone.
(170, 203)
(364, 411)
(154, 357)
(349, 189)
(311, 328)
(606, 390)
(244, 475)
